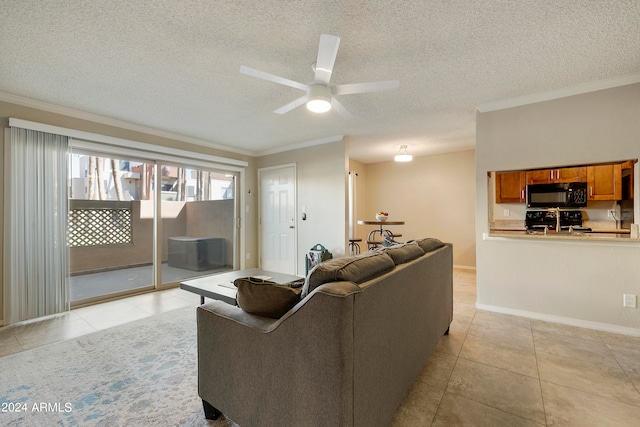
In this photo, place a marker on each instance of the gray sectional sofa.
(345, 355)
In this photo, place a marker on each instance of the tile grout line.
(637, 387)
(446, 387)
(535, 354)
(558, 384)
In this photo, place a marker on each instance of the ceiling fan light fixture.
(319, 98)
(402, 155)
(318, 105)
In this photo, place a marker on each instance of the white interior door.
(277, 219)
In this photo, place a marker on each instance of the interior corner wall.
(322, 188)
(433, 195)
(579, 282)
(248, 200)
(361, 231)
(2, 133)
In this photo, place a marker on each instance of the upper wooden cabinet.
(510, 187)
(548, 176)
(605, 182)
(542, 176)
(578, 174)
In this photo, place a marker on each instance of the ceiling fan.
(320, 96)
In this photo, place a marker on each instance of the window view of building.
(100, 178)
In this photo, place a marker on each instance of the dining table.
(380, 231)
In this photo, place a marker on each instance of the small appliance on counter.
(554, 220)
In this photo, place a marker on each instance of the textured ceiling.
(174, 65)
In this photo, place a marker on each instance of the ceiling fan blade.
(327, 52)
(365, 87)
(272, 78)
(340, 109)
(293, 104)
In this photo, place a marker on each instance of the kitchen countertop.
(594, 235)
(600, 231)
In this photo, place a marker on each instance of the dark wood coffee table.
(220, 286)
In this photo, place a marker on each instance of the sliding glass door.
(198, 233)
(119, 213)
(111, 226)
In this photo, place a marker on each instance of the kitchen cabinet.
(578, 174)
(510, 187)
(611, 181)
(605, 182)
(549, 176)
(541, 176)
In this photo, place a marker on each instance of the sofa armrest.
(237, 315)
(260, 371)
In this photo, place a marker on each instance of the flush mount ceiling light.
(402, 155)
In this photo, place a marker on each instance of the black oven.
(557, 195)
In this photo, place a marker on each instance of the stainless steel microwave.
(557, 195)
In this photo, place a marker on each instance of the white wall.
(434, 195)
(322, 188)
(571, 282)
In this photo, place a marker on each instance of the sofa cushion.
(429, 244)
(404, 252)
(356, 269)
(266, 298)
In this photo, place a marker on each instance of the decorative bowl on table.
(382, 216)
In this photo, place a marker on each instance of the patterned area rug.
(143, 373)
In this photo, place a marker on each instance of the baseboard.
(465, 267)
(605, 327)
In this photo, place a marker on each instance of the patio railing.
(99, 223)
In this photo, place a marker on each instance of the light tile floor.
(37, 332)
(491, 370)
(500, 370)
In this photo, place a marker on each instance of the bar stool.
(354, 247)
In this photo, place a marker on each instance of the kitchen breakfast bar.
(606, 235)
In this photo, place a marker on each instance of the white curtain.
(36, 260)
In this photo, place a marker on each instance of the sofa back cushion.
(404, 252)
(356, 269)
(429, 244)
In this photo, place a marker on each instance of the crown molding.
(560, 93)
(96, 118)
